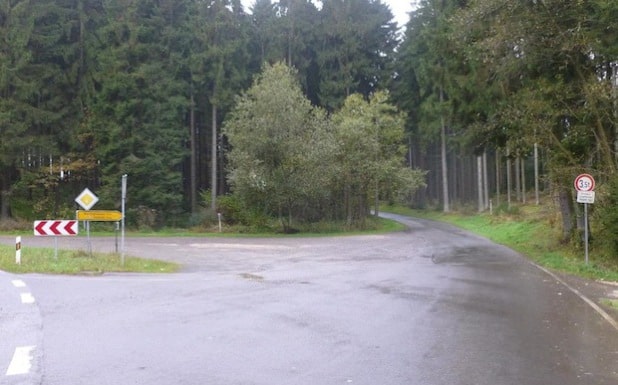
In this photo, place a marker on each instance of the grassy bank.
(79, 262)
(273, 228)
(34, 260)
(529, 232)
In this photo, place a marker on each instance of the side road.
(595, 293)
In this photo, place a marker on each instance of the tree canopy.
(492, 92)
(508, 78)
(289, 159)
(94, 89)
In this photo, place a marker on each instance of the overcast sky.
(400, 9)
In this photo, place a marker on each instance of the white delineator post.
(18, 250)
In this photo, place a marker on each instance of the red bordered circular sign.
(584, 182)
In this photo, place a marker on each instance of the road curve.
(431, 305)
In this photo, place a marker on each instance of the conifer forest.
(307, 111)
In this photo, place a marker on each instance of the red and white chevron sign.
(56, 228)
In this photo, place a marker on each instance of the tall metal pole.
(536, 174)
(479, 182)
(88, 238)
(123, 194)
(586, 229)
(485, 180)
(508, 176)
(615, 99)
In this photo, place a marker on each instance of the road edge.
(578, 293)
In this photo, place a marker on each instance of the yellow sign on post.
(99, 215)
(87, 199)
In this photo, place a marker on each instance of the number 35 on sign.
(584, 182)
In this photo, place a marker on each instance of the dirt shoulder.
(599, 292)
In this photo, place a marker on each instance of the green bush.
(231, 209)
(606, 216)
(505, 209)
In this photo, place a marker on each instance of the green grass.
(529, 233)
(372, 226)
(79, 262)
(41, 260)
(612, 303)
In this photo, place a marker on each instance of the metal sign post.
(87, 199)
(56, 228)
(584, 184)
(586, 231)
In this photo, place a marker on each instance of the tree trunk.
(82, 45)
(291, 32)
(523, 179)
(5, 209)
(4, 205)
(565, 203)
(193, 159)
(213, 161)
(517, 178)
(377, 200)
(445, 195)
(348, 204)
(615, 99)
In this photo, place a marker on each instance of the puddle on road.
(407, 292)
(252, 277)
(467, 256)
(240, 246)
(259, 278)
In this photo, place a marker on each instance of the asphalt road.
(433, 305)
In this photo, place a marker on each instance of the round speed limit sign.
(584, 182)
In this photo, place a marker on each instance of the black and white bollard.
(18, 250)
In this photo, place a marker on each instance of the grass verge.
(611, 303)
(79, 262)
(372, 225)
(528, 233)
(72, 262)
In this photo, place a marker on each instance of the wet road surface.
(433, 305)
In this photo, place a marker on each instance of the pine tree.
(357, 40)
(139, 112)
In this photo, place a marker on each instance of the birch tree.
(370, 155)
(279, 158)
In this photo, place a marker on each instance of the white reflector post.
(18, 250)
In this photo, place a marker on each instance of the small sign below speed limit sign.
(584, 182)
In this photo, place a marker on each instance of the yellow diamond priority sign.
(86, 199)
